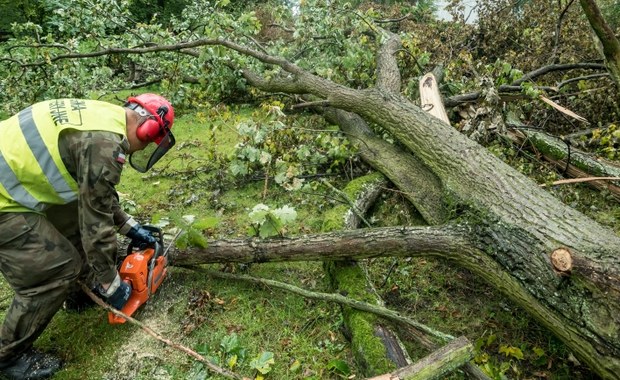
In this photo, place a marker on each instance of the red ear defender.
(149, 130)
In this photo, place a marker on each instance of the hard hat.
(161, 116)
(156, 128)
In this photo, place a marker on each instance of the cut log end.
(562, 261)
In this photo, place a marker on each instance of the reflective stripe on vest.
(44, 157)
(32, 174)
(15, 189)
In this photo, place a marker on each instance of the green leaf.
(229, 343)
(262, 363)
(271, 227)
(258, 213)
(514, 352)
(491, 339)
(197, 239)
(238, 168)
(206, 223)
(339, 367)
(539, 351)
(286, 214)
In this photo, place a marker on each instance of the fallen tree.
(503, 226)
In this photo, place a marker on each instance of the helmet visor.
(144, 159)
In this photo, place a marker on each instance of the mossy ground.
(304, 336)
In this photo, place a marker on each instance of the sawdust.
(141, 356)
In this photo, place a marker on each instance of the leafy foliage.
(268, 223)
(269, 147)
(606, 141)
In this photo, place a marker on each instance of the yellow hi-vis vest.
(32, 174)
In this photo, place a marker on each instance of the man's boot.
(30, 365)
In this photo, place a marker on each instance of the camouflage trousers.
(40, 261)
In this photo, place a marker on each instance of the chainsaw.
(144, 268)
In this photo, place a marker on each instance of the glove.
(119, 298)
(117, 293)
(139, 234)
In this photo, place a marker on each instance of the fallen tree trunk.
(437, 364)
(510, 218)
(375, 346)
(573, 162)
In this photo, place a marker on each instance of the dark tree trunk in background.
(611, 45)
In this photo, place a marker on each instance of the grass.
(224, 320)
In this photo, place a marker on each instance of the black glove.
(119, 298)
(139, 234)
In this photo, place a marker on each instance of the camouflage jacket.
(95, 160)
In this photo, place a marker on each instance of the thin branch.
(391, 20)
(258, 44)
(585, 77)
(558, 28)
(330, 297)
(284, 28)
(579, 180)
(349, 201)
(559, 67)
(263, 57)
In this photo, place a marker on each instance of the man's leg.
(40, 265)
(64, 218)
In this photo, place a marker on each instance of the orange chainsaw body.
(144, 270)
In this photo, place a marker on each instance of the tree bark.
(611, 45)
(437, 364)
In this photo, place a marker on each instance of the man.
(60, 161)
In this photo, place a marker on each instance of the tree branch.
(516, 85)
(611, 44)
(388, 74)
(330, 297)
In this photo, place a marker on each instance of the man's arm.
(96, 162)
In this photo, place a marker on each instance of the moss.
(350, 280)
(557, 151)
(368, 349)
(360, 184)
(334, 218)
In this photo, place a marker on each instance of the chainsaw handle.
(140, 246)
